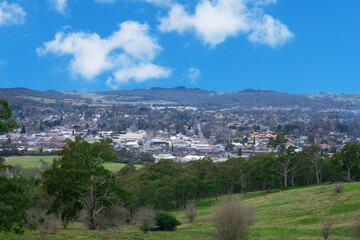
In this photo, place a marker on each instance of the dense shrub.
(166, 222)
(232, 221)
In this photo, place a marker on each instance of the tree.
(235, 171)
(265, 170)
(287, 162)
(23, 129)
(285, 155)
(41, 128)
(79, 181)
(14, 190)
(314, 156)
(349, 157)
(14, 201)
(6, 125)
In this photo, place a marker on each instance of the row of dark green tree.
(168, 185)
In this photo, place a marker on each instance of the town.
(180, 133)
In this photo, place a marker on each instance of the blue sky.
(295, 46)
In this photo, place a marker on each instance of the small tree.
(232, 221)
(145, 219)
(326, 228)
(6, 125)
(339, 188)
(191, 212)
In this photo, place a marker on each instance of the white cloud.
(3, 62)
(193, 74)
(128, 53)
(139, 73)
(60, 5)
(214, 21)
(11, 14)
(270, 31)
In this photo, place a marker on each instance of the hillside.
(247, 98)
(291, 214)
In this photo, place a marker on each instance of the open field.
(290, 214)
(34, 162)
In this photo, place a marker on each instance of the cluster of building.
(161, 144)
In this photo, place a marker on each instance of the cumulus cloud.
(127, 53)
(214, 21)
(11, 14)
(193, 74)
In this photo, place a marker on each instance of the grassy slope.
(291, 214)
(34, 161)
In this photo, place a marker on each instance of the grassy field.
(34, 162)
(291, 214)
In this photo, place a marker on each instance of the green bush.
(166, 222)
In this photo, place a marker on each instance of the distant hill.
(182, 96)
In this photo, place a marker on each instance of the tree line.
(169, 185)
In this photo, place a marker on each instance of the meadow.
(35, 162)
(282, 214)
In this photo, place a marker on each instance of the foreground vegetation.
(78, 188)
(291, 214)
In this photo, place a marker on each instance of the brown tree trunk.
(317, 175)
(348, 175)
(93, 223)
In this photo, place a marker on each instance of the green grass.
(34, 162)
(29, 161)
(290, 214)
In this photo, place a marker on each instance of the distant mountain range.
(182, 96)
